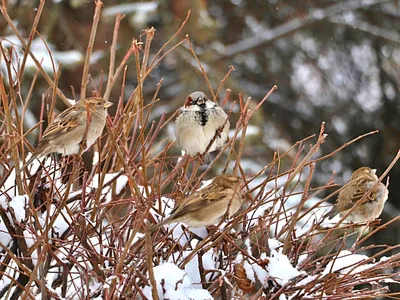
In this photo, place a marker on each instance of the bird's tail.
(330, 214)
(158, 225)
(30, 160)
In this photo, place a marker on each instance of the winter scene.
(197, 149)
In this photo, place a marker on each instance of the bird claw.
(83, 145)
(201, 159)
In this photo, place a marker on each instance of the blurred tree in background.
(333, 61)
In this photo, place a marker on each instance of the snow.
(8, 190)
(384, 258)
(78, 192)
(173, 283)
(178, 232)
(302, 258)
(95, 158)
(198, 294)
(18, 204)
(306, 280)
(128, 8)
(282, 297)
(138, 13)
(138, 236)
(261, 274)
(61, 224)
(192, 267)
(4, 281)
(345, 263)
(30, 239)
(143, 191)
(249, 271)
(255, 214)
(306, 79)
(280, 268)
(282, 207)
(120, 183)
(66, 58)
(5, 237)
(251, 130)
(274, 244)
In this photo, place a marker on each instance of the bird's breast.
(202, 116)
(95, 129)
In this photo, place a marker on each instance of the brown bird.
(208, 206)
(65, 134)
(198, 123)
(361, 181)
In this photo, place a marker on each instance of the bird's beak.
(108, 104)
(200, 101)
(373, 171)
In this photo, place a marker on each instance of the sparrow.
(208, 205)
(198, 123)
(65, 134)
(361, 181)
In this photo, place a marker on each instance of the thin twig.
(85, 76)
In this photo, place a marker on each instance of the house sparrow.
(198, 123)
(64, 135)
(361, 181)
(208, 205)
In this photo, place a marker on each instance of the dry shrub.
(73, 232)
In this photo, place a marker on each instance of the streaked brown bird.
(208, 205)
(361, 181)
(65, 134)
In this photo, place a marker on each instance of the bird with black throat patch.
(201, 122)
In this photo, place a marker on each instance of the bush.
(72, 231)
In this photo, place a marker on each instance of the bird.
(208, 205)
(361, 181)
(65, 134)
(199, 121)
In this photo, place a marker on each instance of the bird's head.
(95, 102)
(226, 181)
(198, 99)
(365, 172)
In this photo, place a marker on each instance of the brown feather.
(206, 206)
(66, 132)
(361, 182)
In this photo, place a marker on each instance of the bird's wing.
(359, 194)
(67, 120)
(200, 200)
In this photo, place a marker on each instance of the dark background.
(333, 61)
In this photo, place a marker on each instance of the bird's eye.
(200, 101)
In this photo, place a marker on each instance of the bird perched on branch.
(208, 205)
(370, 208)
(67, 131)
(200, 122)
